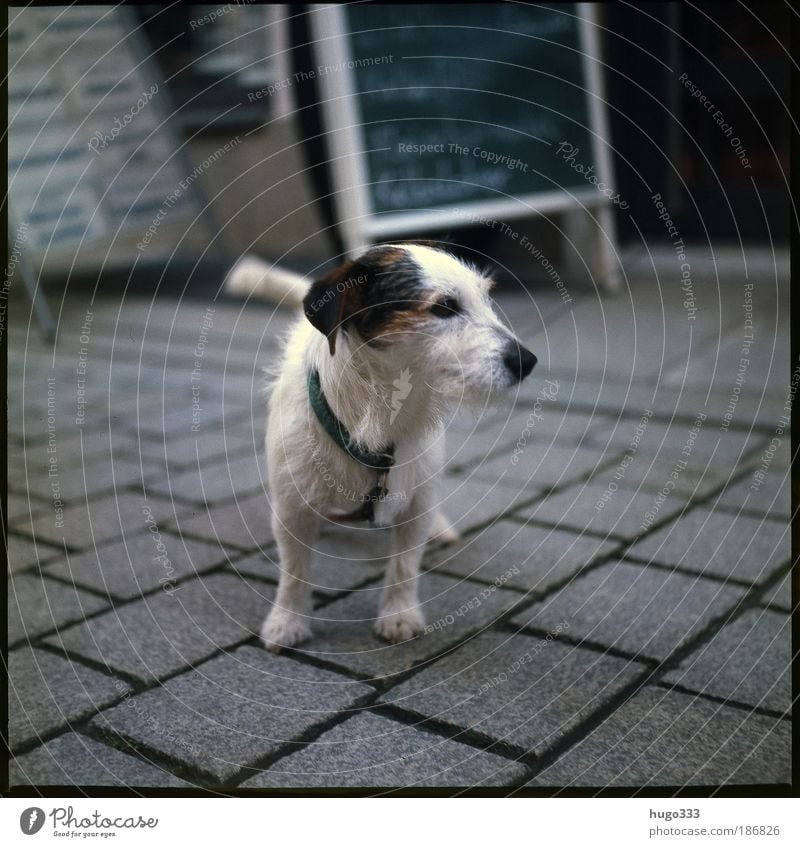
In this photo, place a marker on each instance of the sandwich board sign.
(438, 114)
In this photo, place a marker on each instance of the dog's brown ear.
(330, 300)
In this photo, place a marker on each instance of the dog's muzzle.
(519, 360)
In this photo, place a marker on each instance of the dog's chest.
(345, 485)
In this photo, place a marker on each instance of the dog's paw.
(400, 626)
(284, 629)
(442, 531)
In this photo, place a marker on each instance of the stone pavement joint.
(565, 645)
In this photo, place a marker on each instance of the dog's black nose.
(519, 360)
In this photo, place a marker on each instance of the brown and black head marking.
(381, 292)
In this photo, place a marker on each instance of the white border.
(359, 224)
(602, 821)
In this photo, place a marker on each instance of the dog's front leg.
(288, 622)
(400, 617)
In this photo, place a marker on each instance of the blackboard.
(491, 91)
(433, 111)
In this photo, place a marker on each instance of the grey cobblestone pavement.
(616, 612)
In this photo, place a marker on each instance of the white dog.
(389, 344)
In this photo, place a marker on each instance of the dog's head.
(422, 309)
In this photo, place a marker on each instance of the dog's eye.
(446, 308)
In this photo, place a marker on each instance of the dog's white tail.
(252, 277)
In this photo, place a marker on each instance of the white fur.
(446, 361)
(250, 277)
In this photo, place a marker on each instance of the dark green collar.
(382, 461)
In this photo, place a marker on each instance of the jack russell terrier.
(389, 344)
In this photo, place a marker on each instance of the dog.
(388, 345)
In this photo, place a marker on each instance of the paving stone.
(125, 406)
(465, 449)
(230, 360)
(252, 425)
(369, 750)
(147, 392)
(131, 405)
(538, 424)
(77, 445)
(183, 318)
(643, 611)
(48, 691)
(621, 430)
(465, 421)
(624, 337)
(218, 383)
(74, 760)
(535, 471)
(128, 568)
(720, 359)
(215, 482)
(37, 605)
(141, 320)
(225, 387)
(669, 441)
(103, 519)
(714, 542)
(343, 630)
(245, 523)
(187, 449)
(752, 409)
(22, 506)
(665, 738)
(772, 494)
(516, 689)
(164, 633)
(341, 560)
(531, 422)
(607, 396)
(541, 557)
(136, 366)
(696, 480)
(30, 417)
(232, 711)
(748, 661)
(24, 553)
(610, 394)
(780, 595)
(470, 502)
(595, 508)
(75, 480)
(220, 404)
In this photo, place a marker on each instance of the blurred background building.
(239, 74)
